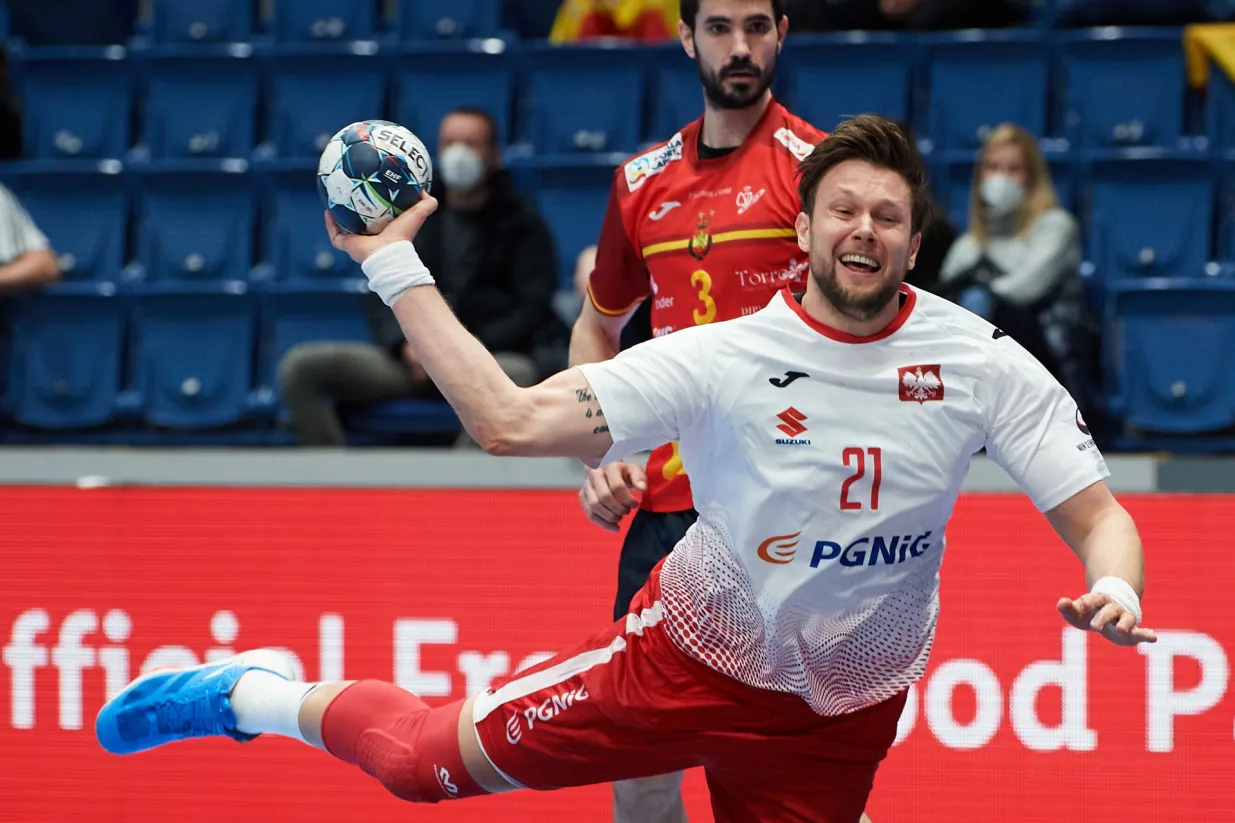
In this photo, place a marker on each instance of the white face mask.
(1001, 194)
(460, 167)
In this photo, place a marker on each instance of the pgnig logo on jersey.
(870, 550)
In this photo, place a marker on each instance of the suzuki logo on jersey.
(920, 383)
(778, 550)
(791, 424)
(663, 209)
(871, 551)
(748, 198)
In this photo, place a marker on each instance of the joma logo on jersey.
(543, 713)
(871, 551)
(791, 421)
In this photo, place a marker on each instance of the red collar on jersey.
(690, 136)
(911, 298)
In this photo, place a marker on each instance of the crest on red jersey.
(701, 243)
(920, 383)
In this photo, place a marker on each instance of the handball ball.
(371, 172)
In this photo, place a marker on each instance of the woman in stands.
(1017, 264)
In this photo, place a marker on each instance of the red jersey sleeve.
(619, 280)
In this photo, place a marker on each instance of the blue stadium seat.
(572, 199)
(1173, 345)
(67, 356)
(834, 76)
(676, 96)
(297, 245)
(195, 226)
(88, 229)
(312, 96)
(1220, 109)
(201, 21)
(1149, 217)
(193, 357)
(420, 20)
(432, 79)
(77, 102)
(201, 107)
(975, 84)
(584, 98)
(298, 21)
(292, 314)
(1122, 88)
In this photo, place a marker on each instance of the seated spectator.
(493, 259)
(27, 260)
(1017, 265)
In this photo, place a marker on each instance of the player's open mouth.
(860, 263)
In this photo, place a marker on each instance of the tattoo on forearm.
(600, 429)
(595, 411)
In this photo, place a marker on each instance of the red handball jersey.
(709, 240)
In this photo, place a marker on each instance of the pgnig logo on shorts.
(543, 713)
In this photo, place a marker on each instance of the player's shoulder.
(942, 324)
(640, 169)
(793, 134)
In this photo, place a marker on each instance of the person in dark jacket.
(495, 264)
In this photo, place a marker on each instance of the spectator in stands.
(27, 260)
(911, 15)
(493, 257)
(1017, 265)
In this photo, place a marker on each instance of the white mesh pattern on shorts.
(837, 663)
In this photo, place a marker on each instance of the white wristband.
(1119, 591)
(393, 269)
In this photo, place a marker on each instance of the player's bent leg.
(418, 753)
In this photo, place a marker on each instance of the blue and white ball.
(371, 172)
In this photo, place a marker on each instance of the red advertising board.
(1018, 717)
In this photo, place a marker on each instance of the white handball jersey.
(825, 468)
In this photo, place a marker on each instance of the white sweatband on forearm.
(393, 269)
(1119, 591)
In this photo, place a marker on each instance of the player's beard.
(861, 306)
(745, 93)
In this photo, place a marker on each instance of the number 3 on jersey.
(855, 459)
(702, 281)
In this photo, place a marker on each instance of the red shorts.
(628, 703)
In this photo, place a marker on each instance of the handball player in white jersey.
(827, 436)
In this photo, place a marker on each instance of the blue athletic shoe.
(166, 705)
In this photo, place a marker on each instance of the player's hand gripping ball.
(371, 172)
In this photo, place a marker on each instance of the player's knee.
(394, 737)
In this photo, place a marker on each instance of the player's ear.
(782, 30)
(802, 225)
(914, 246)
(688, 39)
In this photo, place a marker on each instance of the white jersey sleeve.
(652, 392)
(1035, 431)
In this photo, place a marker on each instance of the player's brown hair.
(880, 142)
(689, 11)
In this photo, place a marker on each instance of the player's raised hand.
(1097, 612)
(608, 493)
(404, 227)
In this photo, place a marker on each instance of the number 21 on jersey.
(861, 489)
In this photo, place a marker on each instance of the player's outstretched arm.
(1104, 537)
(559, 417)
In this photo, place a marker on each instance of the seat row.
(194, 359)
(1089, 88)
